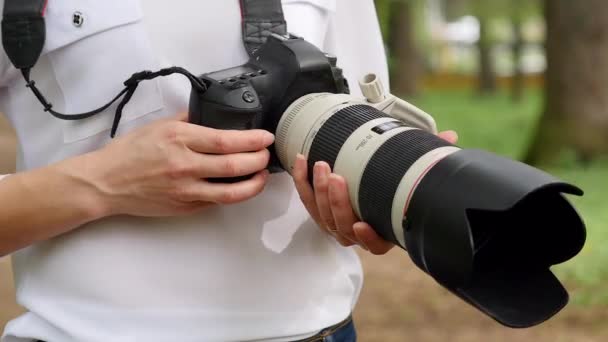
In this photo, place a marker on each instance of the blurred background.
(526, 79)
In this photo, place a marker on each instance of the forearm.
(43, 203)
(157, 170)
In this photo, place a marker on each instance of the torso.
(213, 276)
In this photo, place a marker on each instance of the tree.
(485, 11)
(486, 72)
(517, 46)
(575, 113)
(488, 13)
(520, 11)
(405, 61)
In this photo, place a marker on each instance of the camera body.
(255, 95)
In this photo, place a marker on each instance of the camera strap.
(23, 38)
(260, 19)
(24, 35)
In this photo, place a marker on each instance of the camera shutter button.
(248, 97)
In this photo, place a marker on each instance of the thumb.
(181, 117)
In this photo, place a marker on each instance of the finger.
(321, 187)
(195, 207)
(209, 140)
(176, 117)
(450, 136)
(343, 240)
(181, 117)
(372, 241)
(227, 193)
(307, 196)
(232, 165)
(341, 208)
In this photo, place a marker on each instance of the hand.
(330, 207)
(161, 169)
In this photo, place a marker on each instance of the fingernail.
(297, 161)
(325, 172)
(317, 170)
(320, 169)
(268, 138)
(357, 227)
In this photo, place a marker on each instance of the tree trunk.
(405, 63)
(487, 76)
(517, 82)
(575, 116)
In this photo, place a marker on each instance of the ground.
(401, 303)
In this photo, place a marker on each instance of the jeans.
(345, 333)
(342, 332)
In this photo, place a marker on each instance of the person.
(124, 239)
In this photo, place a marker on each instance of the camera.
(255, 95)
(485, 227)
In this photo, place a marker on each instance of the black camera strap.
(23, 38)
(260, 19)
(24, 35)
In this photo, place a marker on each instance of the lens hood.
(489, 228)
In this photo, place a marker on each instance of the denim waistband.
(321, 335)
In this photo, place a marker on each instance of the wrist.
(81, 176)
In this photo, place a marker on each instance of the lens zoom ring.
(334, 133)
(385, 171)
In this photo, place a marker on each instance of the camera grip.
(228, 108)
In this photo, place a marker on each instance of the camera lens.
(485, 227)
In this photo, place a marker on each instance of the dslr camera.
(485, 227)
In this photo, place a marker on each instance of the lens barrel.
(485, 227)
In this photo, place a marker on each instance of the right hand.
(161, 169)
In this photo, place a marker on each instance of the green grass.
(493, 123)
(496, 124)
(589, 270)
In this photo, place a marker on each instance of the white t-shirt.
(258, 270)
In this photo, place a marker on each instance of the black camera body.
(255, 95)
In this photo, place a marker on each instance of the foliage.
(383, 10)
(492, 123)
(492, 8)
(589, 270)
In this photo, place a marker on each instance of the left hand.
(330, 207)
